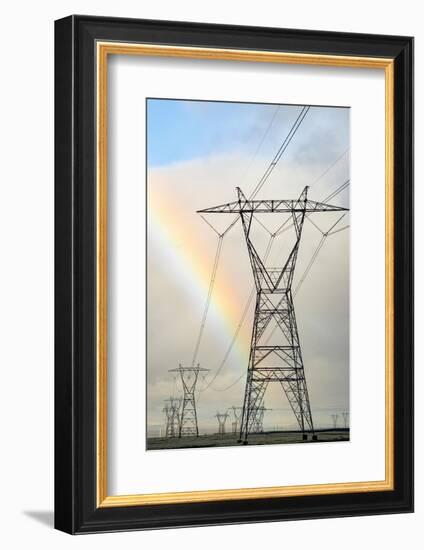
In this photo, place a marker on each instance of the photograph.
(231, 346)
(247, 270)
(208, 284)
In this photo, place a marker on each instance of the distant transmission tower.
(335, 418)
(258, 424)
(345, 419)
(222, 417)
(188, 416)
(274, 303)
(235, 424)
(166, 410)
(172, 414)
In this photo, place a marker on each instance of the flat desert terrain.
(265, 438)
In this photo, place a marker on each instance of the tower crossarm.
(272, 206)
(189, 369)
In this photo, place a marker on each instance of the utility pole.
(188, 418)
(222, 417)
(282, 362)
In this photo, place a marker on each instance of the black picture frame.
(76, 510)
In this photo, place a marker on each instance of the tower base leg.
(305, 437)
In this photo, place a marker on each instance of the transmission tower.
(222, 417)
(172, 414)
(274, 303)
(167, 418)
(188, 417)
(345, 416)
(335, 418)
(258, 423)
(237, 414)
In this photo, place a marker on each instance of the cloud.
(181, 248)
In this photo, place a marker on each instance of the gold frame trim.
(104, 49)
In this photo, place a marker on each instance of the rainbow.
(183, 246)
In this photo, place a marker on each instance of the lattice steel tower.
(172, 416)
(237, 414)
(280, 363)
(258, 424)
(222, 418)
(188, 418)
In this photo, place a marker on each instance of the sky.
(198, 153)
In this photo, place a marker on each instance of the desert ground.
(229, 439)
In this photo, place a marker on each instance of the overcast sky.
(198, 152)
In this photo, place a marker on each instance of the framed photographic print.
(234, 271)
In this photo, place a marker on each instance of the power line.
(210, 225)
(233, 341)
(242, 179)
(262, 225)
(325, 234)
(243, 316)
(280, 230)
(311, 262)
(339, 230)
(277, 157)
(314, 256)
(252, 160)
(334, 224)
(282, 227)
(341, 188)
(304, 111)
(232, 383)
(314, 224)
(208, 299)
(313, 259)
(211, 285)
(330, 167)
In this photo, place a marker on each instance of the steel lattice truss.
(222, 418)
(274, 305)
(172, 417)
(188, 417)
(258, 413)
(237, 413)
